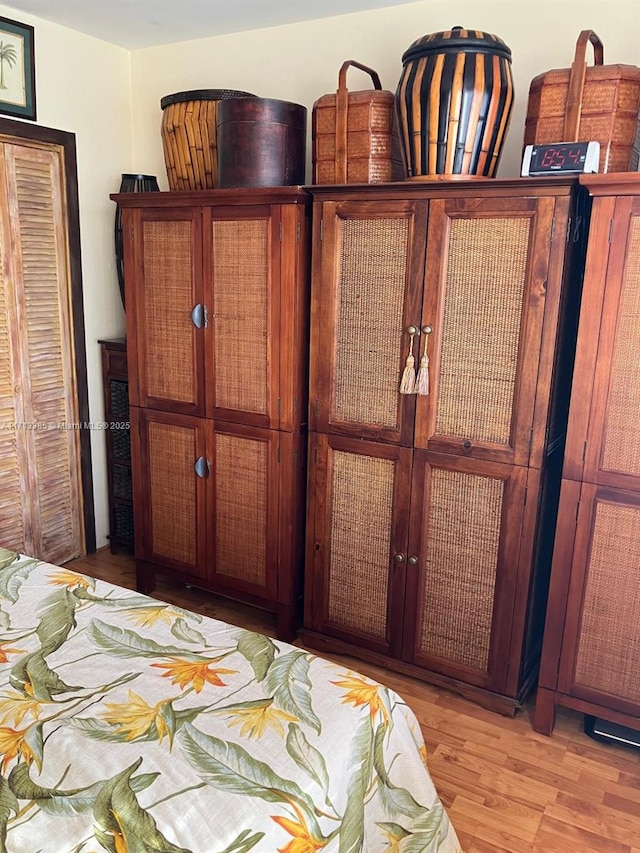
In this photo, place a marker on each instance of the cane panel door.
(601, 638)
(489, 277)
(466, 550)
(166, 313)
(368, 293)
(357, 539)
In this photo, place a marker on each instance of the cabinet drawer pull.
(422, 379)
(413, 560)
(202, 468)
(399, 558)
(200, 316)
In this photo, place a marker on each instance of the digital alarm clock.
(560, 158)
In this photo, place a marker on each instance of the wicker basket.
(189, 137)
(355, 136)
(600, 103)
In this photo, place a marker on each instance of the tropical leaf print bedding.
(130, 725)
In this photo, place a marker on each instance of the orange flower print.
(184, 672)
(6, 650)
(360, 692)
(12, 745)
(303, 841)
(64, 577)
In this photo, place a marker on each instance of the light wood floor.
(505, 787)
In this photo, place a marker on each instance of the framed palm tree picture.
(17, 70)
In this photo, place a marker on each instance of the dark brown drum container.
(454, 103)
(261, 143)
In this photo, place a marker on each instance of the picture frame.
(17, 70)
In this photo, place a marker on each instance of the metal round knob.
(399, 558)
(413, 330)
(427, 329)
(413, 560)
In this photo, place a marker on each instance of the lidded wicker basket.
(600, 103)
(188, 132)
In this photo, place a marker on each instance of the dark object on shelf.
(454, 103)
(355, 134)
(599, 104)
(188, 132)
(130, 184)
(116, 415)
(606, 732)
(261, 143)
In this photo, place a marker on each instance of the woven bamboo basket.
(355, 137)
(600, 103)
(189, 137)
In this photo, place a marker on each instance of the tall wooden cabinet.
(430, 516)
(591, 649)
(217, 324)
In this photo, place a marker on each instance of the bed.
(128, 724)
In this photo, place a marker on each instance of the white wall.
(300, 62)
(83, 85)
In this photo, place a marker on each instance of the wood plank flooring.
(505, 787)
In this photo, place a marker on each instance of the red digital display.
(568, 157)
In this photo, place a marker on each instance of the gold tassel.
(408, 381)
(422, 382)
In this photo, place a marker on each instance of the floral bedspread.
(130, 725)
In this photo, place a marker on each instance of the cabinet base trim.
(548, 700)
(505, 705)
(288, 615)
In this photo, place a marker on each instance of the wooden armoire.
(217, 338)
(591, 651)
(430, 517)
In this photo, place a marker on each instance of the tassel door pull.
(408, 381)
(422, 379)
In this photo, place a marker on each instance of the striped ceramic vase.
(454, 103)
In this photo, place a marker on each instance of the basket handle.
(342, 105)
(576, 82)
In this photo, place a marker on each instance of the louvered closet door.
(489, 274)
(366, 292)
(357, 541)
(167, 319)
(40, 477)
(462, 590)
(601, 641)
(243, 550)
(242, 272)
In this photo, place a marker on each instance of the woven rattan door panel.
(242, 270)
(487, 283)
(612, 454)
(244, 551)
(172, 495)
(367, 291)
(466, 522)
(357, 541)
(167, 318)
(601, 642)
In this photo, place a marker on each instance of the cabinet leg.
(145, 578)
(544, 716)
(286, 622)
